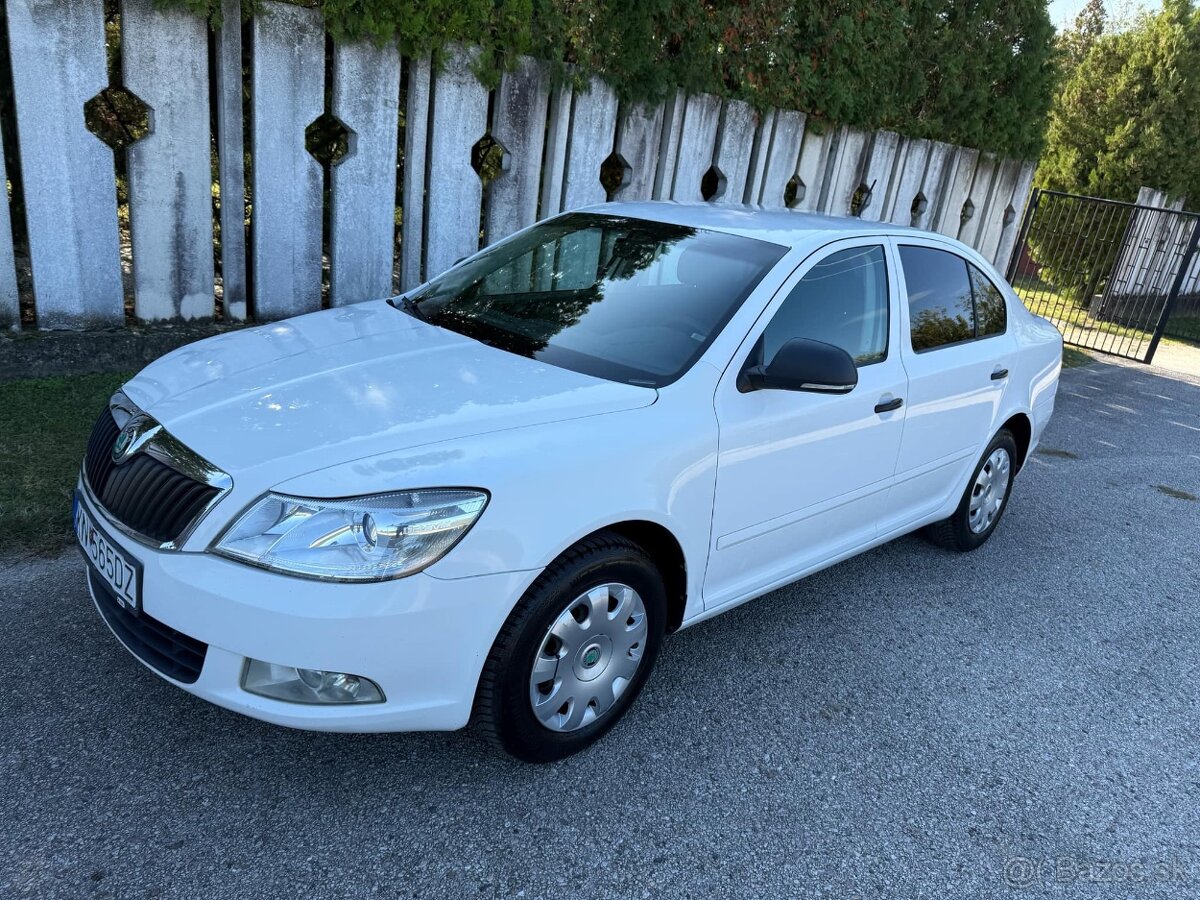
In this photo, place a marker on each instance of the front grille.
(143, 494)
(157, 645)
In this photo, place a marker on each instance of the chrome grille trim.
(157, 443)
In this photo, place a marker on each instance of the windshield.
(624, 299)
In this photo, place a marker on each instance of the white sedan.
(490, 499)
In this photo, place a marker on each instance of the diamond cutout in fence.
(919, 206)
(118, 117)
(713, 184)
(328, 139)
(968, 211)
(615, 173)
(1010, 215)
(489, 158)
(860, 199)
(794, 191)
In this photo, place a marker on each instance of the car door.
(802, 477)
(957, 350)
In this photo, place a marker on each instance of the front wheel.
(575, 651)
(985, 499)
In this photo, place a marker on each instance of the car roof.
(786, 227)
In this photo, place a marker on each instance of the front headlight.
(359, 539)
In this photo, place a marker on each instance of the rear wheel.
(985, 499)
(575, 651)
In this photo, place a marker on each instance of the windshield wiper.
(410, 306)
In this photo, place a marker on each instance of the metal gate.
(1106, 273)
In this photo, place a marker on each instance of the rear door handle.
(999, 373)
(889, 405)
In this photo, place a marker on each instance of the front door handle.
(889, 405)
(999, 374)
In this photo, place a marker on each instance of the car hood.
(348, 383)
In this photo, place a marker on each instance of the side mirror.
(803, 365)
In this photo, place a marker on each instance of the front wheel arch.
(662, 546)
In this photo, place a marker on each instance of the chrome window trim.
(155, 441)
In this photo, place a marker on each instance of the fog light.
(308, 685)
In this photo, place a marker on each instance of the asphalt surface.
(1021, 721)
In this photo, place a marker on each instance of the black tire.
(954, 533)
(503, 712)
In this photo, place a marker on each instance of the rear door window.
(941, 307)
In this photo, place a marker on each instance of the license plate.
(120, 572)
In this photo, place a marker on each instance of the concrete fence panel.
(939, 166)
(165, 63)
(975, 207)
(1137, 245)
(519, 124)
(735, 142)
(904, 192)
(638, 138)
(58, 64)
(811, 169)
(781, 157)
(1154, 243)
(847, 165)
(958, 180)
(460, 109)
(362, 245)
(558, 128)
(668, 147)
(996, 212)
(591, 140)
(1014, 215)
(287, 95)
(877, 174)
(697, 143)
(758, 156)
(1189, 288)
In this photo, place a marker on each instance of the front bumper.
(422, 639)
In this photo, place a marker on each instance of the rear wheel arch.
(1021, 428)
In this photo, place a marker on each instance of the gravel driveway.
(1020, 721)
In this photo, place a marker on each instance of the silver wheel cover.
(588, 657)
(988, 492)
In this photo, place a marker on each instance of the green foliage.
(1126, 114)
(1125, 117)
(988, 73)
(979, 73)
(55, 415)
